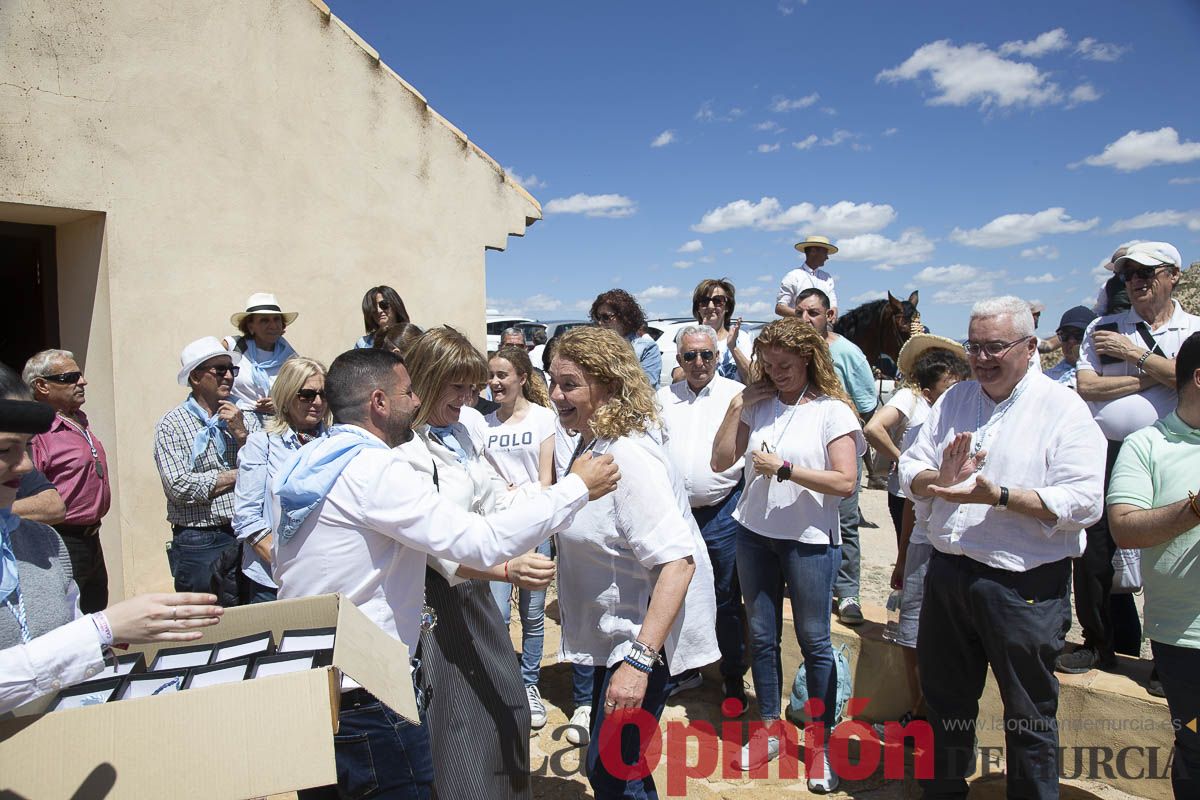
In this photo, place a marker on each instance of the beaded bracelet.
(1193, 499)
(639, 667)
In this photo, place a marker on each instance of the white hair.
(1009, 306)
(696, 330)
(513, 332)
(38, 364)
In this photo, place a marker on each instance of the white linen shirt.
(802, 278)
(1047, 442)
(369, 538)
(1120, 417)
(611, 555)
(692, 421)
(800, 434)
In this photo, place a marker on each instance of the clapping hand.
(958, 462)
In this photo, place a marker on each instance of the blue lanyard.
(18, 611)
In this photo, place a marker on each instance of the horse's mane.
(850, 323)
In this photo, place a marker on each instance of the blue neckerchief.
(214, 429)
(263, 363)
(306, 478)
(445, 435)
(8, 559)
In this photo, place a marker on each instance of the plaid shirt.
(186, 486)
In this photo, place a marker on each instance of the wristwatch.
(1002, 502)
(784, 473)
(643, 657)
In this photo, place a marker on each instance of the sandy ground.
(558, 775)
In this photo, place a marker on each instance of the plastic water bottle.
(892, 631)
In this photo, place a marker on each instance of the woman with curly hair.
(617, 311)
(381, 307)
(636, 587)
(801, 438)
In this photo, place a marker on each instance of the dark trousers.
(194, 552)
(896, 511)
(378, 753)
(1179, 671)
(974, 616)
(847, 582)
(605, 785)
(87, 567)
(720, 531)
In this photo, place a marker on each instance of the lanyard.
(983, 429)
(87, 435)
(779, 439)
(18, 611)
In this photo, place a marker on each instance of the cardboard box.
(237, 740)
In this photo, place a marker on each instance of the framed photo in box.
(126, 664)
(149, 684)
(307, 639)
(91, 693)
(256, 644)
(284, 663)
(231, 671)
(196, 655)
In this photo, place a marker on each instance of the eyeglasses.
(690, 355)
(383, 305)
(1070, 335)
(220, 370)
(992, 349)
(63, 377)
(605, 316)
(716, 300)
(309, 395)
(1145, 273)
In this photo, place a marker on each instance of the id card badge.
(601, 446)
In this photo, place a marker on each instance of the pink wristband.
(103, 629)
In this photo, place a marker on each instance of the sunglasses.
(1070, 335)
(384, 305)
(309, 395)
(220, 371)
(1145, 273)
(716, 300)
(993, 349)
(64, 377)
(690, 355)
(605, 317)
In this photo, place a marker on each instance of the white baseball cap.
(1151, 254)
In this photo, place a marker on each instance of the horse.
(879, 327)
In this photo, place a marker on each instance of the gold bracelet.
(1192, 504)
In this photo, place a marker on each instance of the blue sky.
(962, 149)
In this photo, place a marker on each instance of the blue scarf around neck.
(265, 363)
(8, 559)
(214, 429)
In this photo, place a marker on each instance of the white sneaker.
(537, 709)
(744, 763)
(579, 729)
(828, 782)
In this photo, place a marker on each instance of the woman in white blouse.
(801, 438)
(635, 588)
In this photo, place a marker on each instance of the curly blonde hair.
(608, 359)
(792, 334)
(438, 358)
(533, 389)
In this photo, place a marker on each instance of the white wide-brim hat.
(816, 241)
(263, 303)
(200, 351)
(921, 343)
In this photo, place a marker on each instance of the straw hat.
(263, 303)
(816, 241)
(921, 343)
(200, 351)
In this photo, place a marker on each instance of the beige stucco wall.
(194, 152)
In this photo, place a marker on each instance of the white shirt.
(802, 278)
(914, 409)
(921, 505)
(1045, 441)
(1121, 417)
(369, 537)
(692, 421)
(514, 447)
(800, 434)
(609, 559)
(1063, 373)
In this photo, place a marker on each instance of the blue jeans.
(1178, 669)
(765, 566)
(378, 754)
(846, 583)
(581, 684)
(605, 785)
(532, 607)
(192, 555)
(719, 529)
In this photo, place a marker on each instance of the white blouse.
(515, 448)
(611, 555)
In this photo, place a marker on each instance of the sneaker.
(828, 782)
(1084, 659)
(1154, 685)
(744, 763)
(849, 612)
(880, 727)
(735, 689)
(537, 709)
(579, 729)
(690, 680)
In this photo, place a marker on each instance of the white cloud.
(1094, 50)
(868, 296)
(751, 291)
(769, 125)
(708, 113)
(765, 278)
(830, 111)
(681, 264)
(728, 251)
(707, 260)
(543, 302)
(663, 139)
(1048, 42)
(1183, 181)
(1045, 277)
(1043, 252)
(891, 131)
(1138, 150)
(525, 307)
(843, 218)
(955, 273)
(783, 104)
(652, 293)
(529, 182)
(883, 267)
(974, 74)
(693, 246)
(757, 307)
(768, 148)
(912, 246)
(1083, 93)
(593, 205)
(1159, 219)
(807, 142)
(963, 284)
(1010, 229)
(838, 137)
